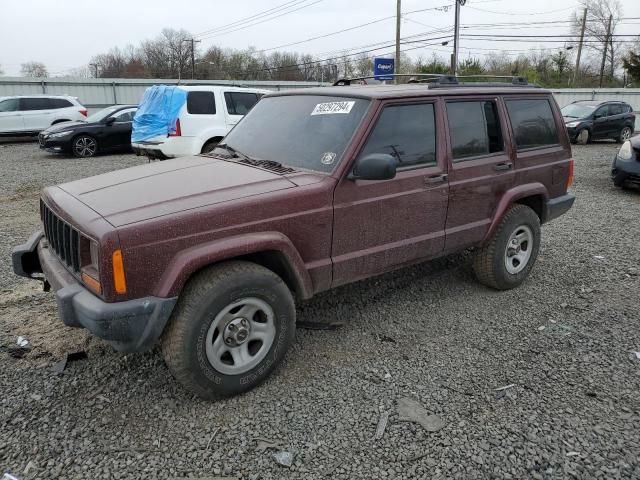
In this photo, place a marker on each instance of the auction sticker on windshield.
(333, 107)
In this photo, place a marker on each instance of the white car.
(206, 117)
(30, 114)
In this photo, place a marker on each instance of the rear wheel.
(231, 327)
(84, 146)
(210, 145)
(509, 256)
(625, 134)
(583, 137)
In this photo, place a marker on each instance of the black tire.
(625, 134)
(583, 137)
(84, 146)
(60, 121)
(210, 145)
(204, 298)
(490, 261)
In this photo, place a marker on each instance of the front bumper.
(129, 326)
(54, 145)
(626, 171)
(558, 206)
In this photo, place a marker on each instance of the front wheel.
(583, 137)
(625, 134)
(232, 326)
(509, 256)
(84, 146)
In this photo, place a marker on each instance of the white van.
(208, 114)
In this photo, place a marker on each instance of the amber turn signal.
(119, 282)
(92, 283)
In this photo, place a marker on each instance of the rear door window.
(533, 123)
(406, 132)
(35, 104)
(474, 127)
(239, 103)
(201, 103)
(615, 109)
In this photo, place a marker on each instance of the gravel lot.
(429, 333)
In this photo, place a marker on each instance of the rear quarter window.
(60, 103)
(533, 123)
(201, 103)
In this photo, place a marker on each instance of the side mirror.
(597, 115)
(110, 121)
(375, 166)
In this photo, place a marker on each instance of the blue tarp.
(158, 112)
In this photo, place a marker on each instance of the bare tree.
(598, 14)
(34, 69)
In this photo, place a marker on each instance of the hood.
(571, 119)
(171, 186)
(59, 127)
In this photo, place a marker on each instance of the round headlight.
(625, 152)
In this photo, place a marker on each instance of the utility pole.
(584, 24)
(606, 46)
(456, 37)
(398, 19)
(95, 69)
(193, 56)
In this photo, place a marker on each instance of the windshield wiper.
(234, 153)
(570, 116)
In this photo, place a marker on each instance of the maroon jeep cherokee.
(315, 188)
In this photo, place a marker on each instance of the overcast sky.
(65, 34)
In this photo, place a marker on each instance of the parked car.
(29, 115)
(205, 118)
(315, 188)
(625, 170)
(106, 130)
(588, 120)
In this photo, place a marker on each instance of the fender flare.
(187, 262)
(510, 197)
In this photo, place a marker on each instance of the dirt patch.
(29, 312)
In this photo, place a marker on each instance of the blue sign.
(383, 68)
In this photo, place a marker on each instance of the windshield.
(577, 110)
(304, 131)
(101, 115)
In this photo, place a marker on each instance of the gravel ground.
(429, 333)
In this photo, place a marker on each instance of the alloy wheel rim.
(626, 133)
(240, 336)
(518, 251)
(85, 146)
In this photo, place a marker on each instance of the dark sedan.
(106, 130)
(588, 120)
(625, 170)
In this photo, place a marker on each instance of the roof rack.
(439, 80)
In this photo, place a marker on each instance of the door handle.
(436, 179)
(503, 166)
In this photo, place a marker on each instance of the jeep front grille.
(63, 239)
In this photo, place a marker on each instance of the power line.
(348, 29)
(253, 17)
(215, 34)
